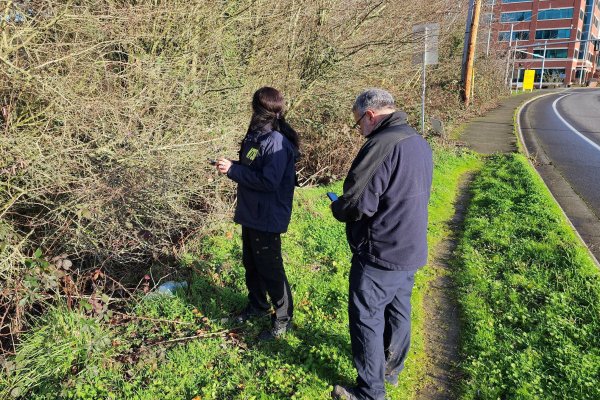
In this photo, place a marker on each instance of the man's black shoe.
(342, 392)
(250, 312)
(278, 330)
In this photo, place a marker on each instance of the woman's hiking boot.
(278, 330)
(250, 312)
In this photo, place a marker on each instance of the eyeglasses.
(357, 124)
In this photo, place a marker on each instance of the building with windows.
(554, 29)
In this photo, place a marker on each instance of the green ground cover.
(69, 355)
(529, 291)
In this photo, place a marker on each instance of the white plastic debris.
(170, 287)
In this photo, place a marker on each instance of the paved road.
(562, 132)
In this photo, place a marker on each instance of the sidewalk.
(494, 132)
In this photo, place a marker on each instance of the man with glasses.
(384, 206)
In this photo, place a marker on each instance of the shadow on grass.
(306, 346)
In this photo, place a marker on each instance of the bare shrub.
(111, 108)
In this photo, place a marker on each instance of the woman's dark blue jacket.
(266, 178)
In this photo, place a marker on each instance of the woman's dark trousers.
(265, 273)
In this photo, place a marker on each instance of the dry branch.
(110, 109)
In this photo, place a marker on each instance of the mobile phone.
(212, 161)
(332, 196)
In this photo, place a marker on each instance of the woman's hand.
(223, 165)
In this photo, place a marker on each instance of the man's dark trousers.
(262, 260)
(379, 311)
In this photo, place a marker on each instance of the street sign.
(528, 79)
(427, 38)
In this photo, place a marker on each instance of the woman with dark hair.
(266, 176)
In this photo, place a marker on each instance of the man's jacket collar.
(394, 119)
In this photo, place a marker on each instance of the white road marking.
(581, 135)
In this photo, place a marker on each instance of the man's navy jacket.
(386, 194)
(266, 178)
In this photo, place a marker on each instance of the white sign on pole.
(428, 34)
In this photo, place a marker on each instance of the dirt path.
(442, 329)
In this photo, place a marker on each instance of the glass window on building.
(575, 53)
(517, 16)
(553, 34)
(586, 19)
(517, 35)
(555, 13)
(552, 53)
(578, 34)
(581, 14)
(551, 75)
(521, 35)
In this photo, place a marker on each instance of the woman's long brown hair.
(268, 106)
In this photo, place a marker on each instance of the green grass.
(305, 365)
(529, 291)
(64, 345)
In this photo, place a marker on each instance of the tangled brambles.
(109, 110)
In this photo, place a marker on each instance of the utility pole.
(595, 57)
(471, 53)
(508, 54)
(487, 48)
(543, 63)
(463, 66)
(588, 38)
(512, 74)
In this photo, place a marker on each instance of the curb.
(523, 149)
(520, 140)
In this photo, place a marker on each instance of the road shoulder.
(585, 223)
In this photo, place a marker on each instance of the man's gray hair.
(373, 99)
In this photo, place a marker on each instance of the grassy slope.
(530, 292)
(303, 366)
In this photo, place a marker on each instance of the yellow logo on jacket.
(252, 153)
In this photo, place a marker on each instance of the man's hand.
(223, 165)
